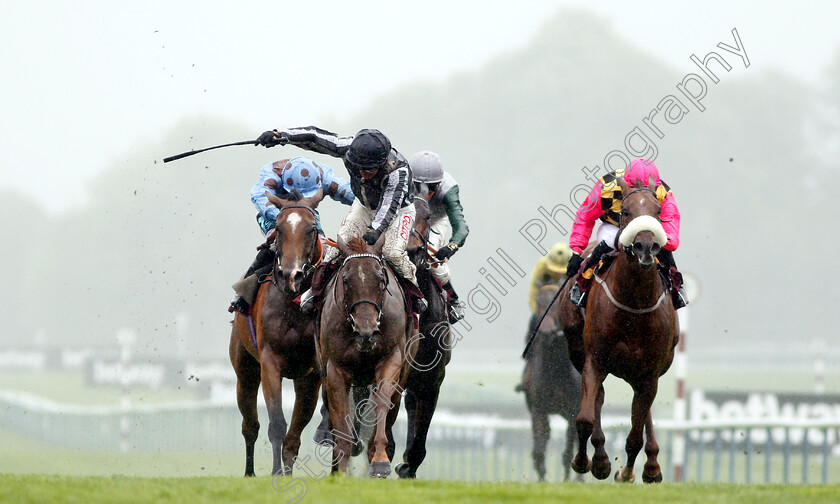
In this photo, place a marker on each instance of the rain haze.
(104, 243)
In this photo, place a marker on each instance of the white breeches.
(441, 232)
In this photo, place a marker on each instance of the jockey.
(449, 230)
(604, 202)
(549, 270)
(282, 178)
(381, 180)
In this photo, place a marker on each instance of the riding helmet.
(426, 167)
(558, 258)
(303, 174)
(368, 150)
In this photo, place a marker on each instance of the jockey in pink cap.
(604, 203)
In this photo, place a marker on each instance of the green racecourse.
(40, 488)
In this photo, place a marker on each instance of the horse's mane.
(357, 245)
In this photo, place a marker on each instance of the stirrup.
(577, 296)
(680, 298)
(420, 305)
(307, 301)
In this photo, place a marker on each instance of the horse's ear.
(377, 247)
(623, 185)
(651, 182)
(343, 249)
(316, 198)
(277, 200)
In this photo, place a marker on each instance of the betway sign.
(768, 407)
(115, 373)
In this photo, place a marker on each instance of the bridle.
(308, 268)
(349, 309)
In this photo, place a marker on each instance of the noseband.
(378, 306)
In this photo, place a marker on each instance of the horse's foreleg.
(322, 432)
(601, 467)
(306, 398)
(424, 410)
(271, 365)
(652, 472)
(337, 383)
(591, 380)
(387, 401)
(541, 431)
(643, 395)
(247, 384)
(569, 450)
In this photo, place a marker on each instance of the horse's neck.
(633, 285)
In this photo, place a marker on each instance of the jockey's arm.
(337, 188)
(589, 212)
(393, 195)
(316, 140)
(537, 275)
(455, 212)
(670, 217)
(268, 181)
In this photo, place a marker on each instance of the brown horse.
(428, 365)
(630, 331)
(550, 382)
(363, 341)
(284, 346)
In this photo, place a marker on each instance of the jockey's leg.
(246, 288)
(667, 263)
(394, 251)
(587, 269)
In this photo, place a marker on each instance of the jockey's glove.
(272, 138)
(370, 236)
(446, 252)
(574, 264)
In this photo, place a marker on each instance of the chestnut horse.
(428, 365)
(630, 331)
(362, 341)
(285, 346)
(550, 382)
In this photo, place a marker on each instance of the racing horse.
(630, 330)
(550, 382)
(278, 341)
(428, 365)
(362, 341)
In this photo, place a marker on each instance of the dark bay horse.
(362, 341)
(285, 346)
(550, 382)
(630, 331)
(428, 365)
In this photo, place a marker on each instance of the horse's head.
(419, 238)
(296, 240)
(550, 326)
(365, 282)
(641, 232)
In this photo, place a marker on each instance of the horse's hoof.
(358, 447)
(323, 437)
(250, 474)
(581, 467)
(601, 469)
(404, 471)
(380, 469)
(621, 477)
(652, 479)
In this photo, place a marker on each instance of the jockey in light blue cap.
(283, 178)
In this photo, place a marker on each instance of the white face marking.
(293, 220)
(362, 276)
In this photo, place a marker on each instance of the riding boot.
(669, 269)
(456, 307)
(584, 278)
(417, 302)
(261, 265)
(311, 298)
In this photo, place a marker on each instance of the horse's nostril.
(638, 248)
(655, 249)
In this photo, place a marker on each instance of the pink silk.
(590, 211)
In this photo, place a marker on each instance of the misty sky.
(86, 81)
